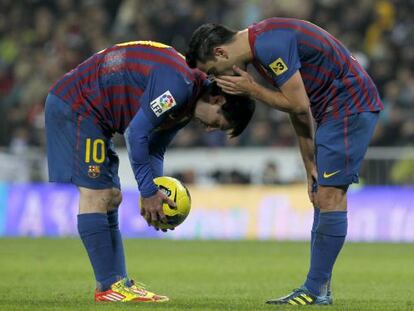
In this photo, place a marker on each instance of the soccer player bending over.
(316, 75)
(146, 91)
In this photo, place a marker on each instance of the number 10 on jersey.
(98, 150)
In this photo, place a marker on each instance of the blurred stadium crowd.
(41, 40)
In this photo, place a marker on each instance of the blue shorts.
(78, 150)
(341, 146)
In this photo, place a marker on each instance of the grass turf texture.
(54, 274)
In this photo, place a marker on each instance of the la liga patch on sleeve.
(163, 103)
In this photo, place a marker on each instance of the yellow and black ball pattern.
(178, 193)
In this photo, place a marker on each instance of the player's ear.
(220, 52)
(217, 100)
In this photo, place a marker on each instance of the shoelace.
(140, 285)
(299, 292)
(295, 290)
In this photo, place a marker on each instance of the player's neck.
(241, 46)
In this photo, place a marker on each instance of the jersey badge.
(94, 171)
(278, 66)
(163, 103)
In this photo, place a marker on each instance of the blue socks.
(328, 236)
(96, 236)
(117, 245)
(316, 212)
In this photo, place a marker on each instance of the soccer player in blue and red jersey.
(315, 75)
(146, 91)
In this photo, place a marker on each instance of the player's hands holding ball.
(152, 210)
(169, 206)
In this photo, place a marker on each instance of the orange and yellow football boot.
(120, 292)
(139, 289)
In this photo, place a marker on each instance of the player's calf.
(104, 249)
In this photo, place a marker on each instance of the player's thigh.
(98, 200)
(359, 138)
(96, 160)
(79, 151)
(341, 146)
(60, 125)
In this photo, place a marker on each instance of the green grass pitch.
(54, 274)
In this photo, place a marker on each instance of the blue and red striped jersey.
(335, 82)
(115, 83)
(142, 89)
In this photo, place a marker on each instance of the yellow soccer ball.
(178, 193)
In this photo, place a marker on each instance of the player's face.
(209, 113)
(216, 67)
(222, 64)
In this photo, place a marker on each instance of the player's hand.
(152, 211)
(240, 84)
(313, 185)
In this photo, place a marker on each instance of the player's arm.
(159, 143)
(278, 53)
(292, 99)
(137, 138)
(300, 115)
(303, 125)
(284, 64)
(163, 85)
(295, 93)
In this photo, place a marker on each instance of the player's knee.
(95, 201)
(116, 199)
(332, 198)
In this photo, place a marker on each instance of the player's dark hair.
(238, 110)
(203, 41)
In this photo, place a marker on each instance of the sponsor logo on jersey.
(278, 66)
(163, 103)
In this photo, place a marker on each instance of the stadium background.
(249, 187)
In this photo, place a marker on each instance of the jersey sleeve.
(166, 91)
(277, 52)
(159, 142)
